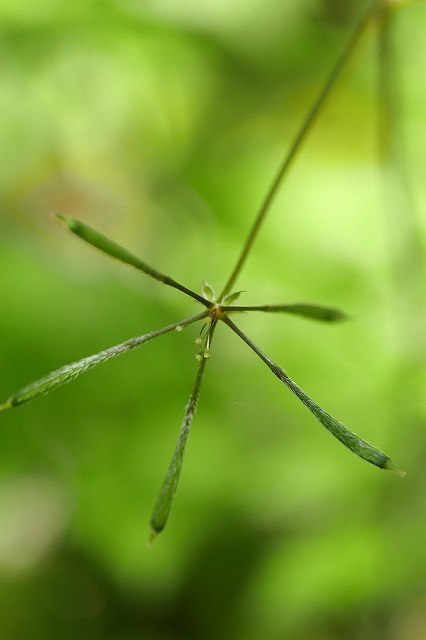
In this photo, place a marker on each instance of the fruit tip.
(344, 317)
(5, 406)
(400, 472)
(335, 315)
(69, 222)
(153, 534)
(389, 465)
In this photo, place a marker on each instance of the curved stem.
(295, 146)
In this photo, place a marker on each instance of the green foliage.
(161, 125)
(218, 312)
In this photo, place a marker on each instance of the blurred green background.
(162, 124)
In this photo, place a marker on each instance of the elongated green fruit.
(311, 311)
(70, 372)
(353, 442)
(167, 493)
(115, 250)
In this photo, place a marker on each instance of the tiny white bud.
(198, 342)
(206, 354)
(179, 328)
(198, 357)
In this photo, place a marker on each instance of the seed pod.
(167, 493)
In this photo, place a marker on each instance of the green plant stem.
(295, 146)
(70, 372)
(168, 489)
(357, 445)
(404, 228)
(115, 250)
(311, 311)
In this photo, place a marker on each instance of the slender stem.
(357, 445)
(70, 372)
(404, 234)
(404, 230)
(115, 250)
(295, 146)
